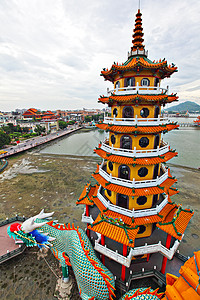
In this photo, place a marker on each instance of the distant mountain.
(183, 107)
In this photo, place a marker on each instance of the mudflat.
(33, 181)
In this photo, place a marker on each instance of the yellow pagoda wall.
(132, 201)
(133, 171)
(138, 77)
(136, 110)
(135, 140)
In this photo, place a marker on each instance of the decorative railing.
(126, 261)
(132, 213)
(138, 52)
(86, 219)
(137, 153)
(136, 121)
(132, 90)
(134, 183)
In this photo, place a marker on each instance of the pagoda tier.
(131, 202)
(139, 65)
(118, 96)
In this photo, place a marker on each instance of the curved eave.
(137, 130)
(162, 98)
(135, 62)
(176, 226)
(87, 194)
(132, 160)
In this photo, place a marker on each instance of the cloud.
(52, 52)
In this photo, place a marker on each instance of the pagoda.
(129, 212)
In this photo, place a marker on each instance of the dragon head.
(28, 233)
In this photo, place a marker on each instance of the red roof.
(134, 99)
(137, 129)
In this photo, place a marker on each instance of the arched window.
(155, 172)
(144, 142)
(122, 200)
(145, 82)
(115, 112)
(142, 229)
(113, 139)
(156, 81)
(157, 111)
(124, 172)
(142, 172)
(128, 112)
(109, 193)
(110, 165)
(129, 81)
(126, 142)
(141, 200)
(117, 85)
(156, 141)
(144, 112)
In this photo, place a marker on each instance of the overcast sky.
(52, 51)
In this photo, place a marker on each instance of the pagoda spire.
(138, 33)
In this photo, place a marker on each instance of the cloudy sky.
(52, 51)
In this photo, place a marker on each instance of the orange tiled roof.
(143, 220)
(137, 64)
(165, 187)
(176, 226)
(137, 130)
(137, 98)
(187, 285)
(121, 234)
(132, 160)
(87, 194)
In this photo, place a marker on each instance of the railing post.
(158, 118)
(134, 151)
(107, 91)
(136, 120)
(137, 87)
(158, 87)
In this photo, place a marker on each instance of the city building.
(129, 213)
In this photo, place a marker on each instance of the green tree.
(39, 129)
(62, 124)
(4, 139)
(88, 119)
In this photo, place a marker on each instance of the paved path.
(6, 243)
(34, 142)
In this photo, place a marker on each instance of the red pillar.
(148, 256)
(123, 275)
(164, 262)
(87, 215)
(103, 244)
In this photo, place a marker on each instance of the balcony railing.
(126, 261)
(138, 89)
(86, 219)
(132, 213)
(137, 153)
(136, 121)
(134, 183)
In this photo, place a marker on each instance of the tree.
(39, 129)
(4, 139)
(62, 124)
(88, 119)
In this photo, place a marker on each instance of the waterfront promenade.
(37, 141)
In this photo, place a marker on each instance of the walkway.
(37, 141)
(8, 247)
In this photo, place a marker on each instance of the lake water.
(185, 141)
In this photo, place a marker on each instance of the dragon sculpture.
(72, 247)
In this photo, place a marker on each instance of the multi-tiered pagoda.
(129, 212)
